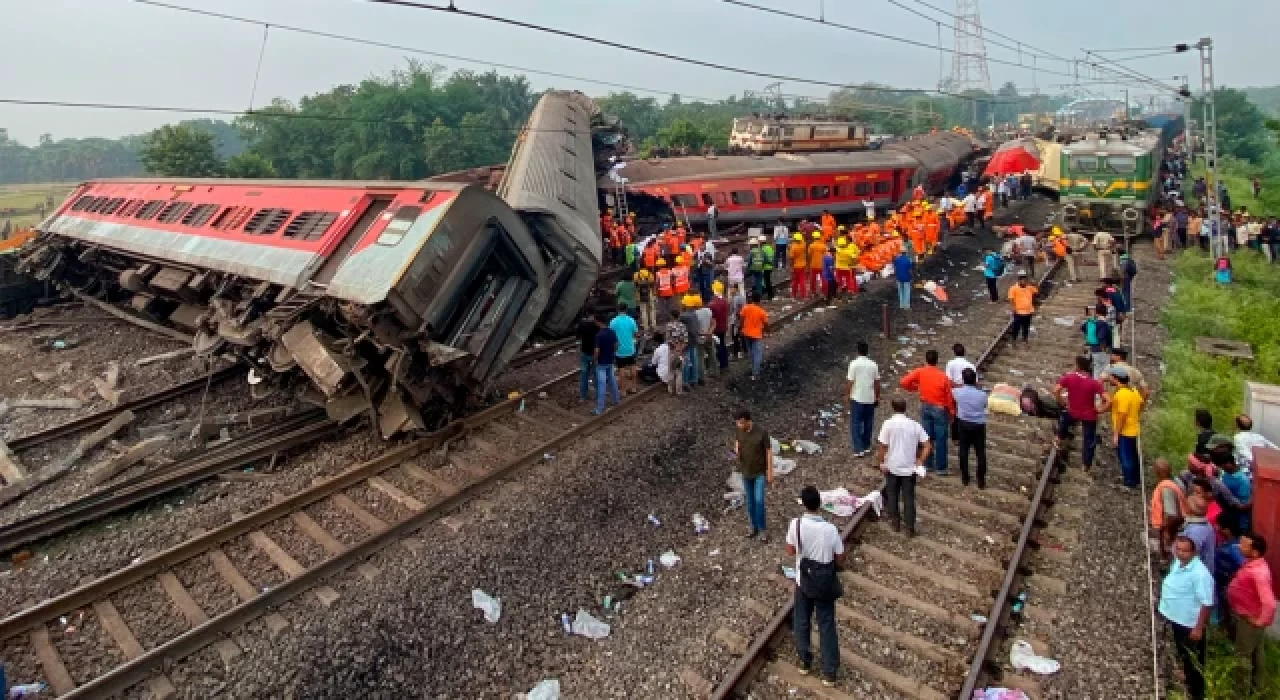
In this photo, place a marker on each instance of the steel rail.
(742, 675)
(98, 504)
(101, 418)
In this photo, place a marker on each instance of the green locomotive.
(1109, 181)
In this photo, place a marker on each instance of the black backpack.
(818, 581)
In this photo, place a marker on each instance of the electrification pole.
(1210, 130)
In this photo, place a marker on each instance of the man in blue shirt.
(902, 266)
(971, 425)
(605, 356)
(625, 329)
(992, 268)
(1186, 600)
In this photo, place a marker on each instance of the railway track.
(928, 617)
(225, 577)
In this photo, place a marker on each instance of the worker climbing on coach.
(798, 257)
(817, 249)
(828, 226)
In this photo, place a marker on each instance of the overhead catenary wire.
(409, 4)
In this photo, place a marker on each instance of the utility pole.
(1210, 131)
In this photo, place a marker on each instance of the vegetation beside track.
(1248, 310)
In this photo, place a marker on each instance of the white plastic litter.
(1022, 656)
(1067, 321)
(808, 447)
(775, 446)
(492, 607)
(737, 491)
(669, 559)
(789, 572)
(548, 689)
(842, 504)
(783, 466)
(700, 524)
(587, 626)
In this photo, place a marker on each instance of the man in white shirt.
(712, 213)
(863, 389)
(1027, 246)
(970, 205)
(957, 366)
(736, 265)
(812, 537)
(870, 206)
(904, 446)
(661, 362)
(1245, 440)
(1105, 244)
(781, 236)
(945, 205)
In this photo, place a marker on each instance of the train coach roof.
(693, 167)
(338, 184)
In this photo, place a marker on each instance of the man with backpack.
(819, 553)
(992, 269)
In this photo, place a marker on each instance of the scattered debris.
(164, 356)
(108, 470)
(700, 524)
(548, 689)
(7, 405)
(807, 446)
(1022, 656)
(490, 606)
(587, 626)
(783, 466)
(669, 559)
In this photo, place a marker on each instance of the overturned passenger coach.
(402, 298)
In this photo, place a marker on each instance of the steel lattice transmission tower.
(969, 63)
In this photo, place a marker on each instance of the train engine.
(396, 299)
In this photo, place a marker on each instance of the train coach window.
(796, 194)
(1121, 165)
(742, 198)
(150, 209)
(130, 208)
(882, 187)
(114, 205)
(83, 203)
(173, 212)
(819, 192)
(1084, 164)
(862, 189)
(687, 201)
(706, 199)
(267, 221)
(309, 225)
(199, 214)
(399, 225)
(772, 195)
(841, 191)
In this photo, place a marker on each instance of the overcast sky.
(120, 51)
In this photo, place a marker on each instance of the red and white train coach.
(790, 186)
(422, 288)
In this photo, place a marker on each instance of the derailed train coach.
(401, 299)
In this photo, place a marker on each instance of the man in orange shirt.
(828, 226)
(799, 273)
(937, 406)
(932, 226)
(817, 249)
(1022, 298)
(754, 320)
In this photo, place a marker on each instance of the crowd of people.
(1201, 526)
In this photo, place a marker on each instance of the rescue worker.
(649, 258)
(828, 226)
(645, 300)
(755, 266)
(766, 247)
(796, 256)
(628, 251)
(680, 276)
(846, 254)
(917, 237)
(665, 280)
(932, 228)
(817, 249)
(606, 221)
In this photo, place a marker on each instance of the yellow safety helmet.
(691, 301)
(842, 241)
(631, 215)
(817, 235)
(797, 236)
(662, 262)
(840, 228)
(717, 287)
(679, 259)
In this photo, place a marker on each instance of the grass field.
(26, 197)
(1247, 310)
(1239, 179)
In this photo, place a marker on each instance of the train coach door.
(377, 205)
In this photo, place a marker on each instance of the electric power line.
(1166, 52)
(409, 4)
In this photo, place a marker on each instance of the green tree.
(250, 165)
(180, 151)
(682, 132)
(1242, 131)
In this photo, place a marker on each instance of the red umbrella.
(1014, 157)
